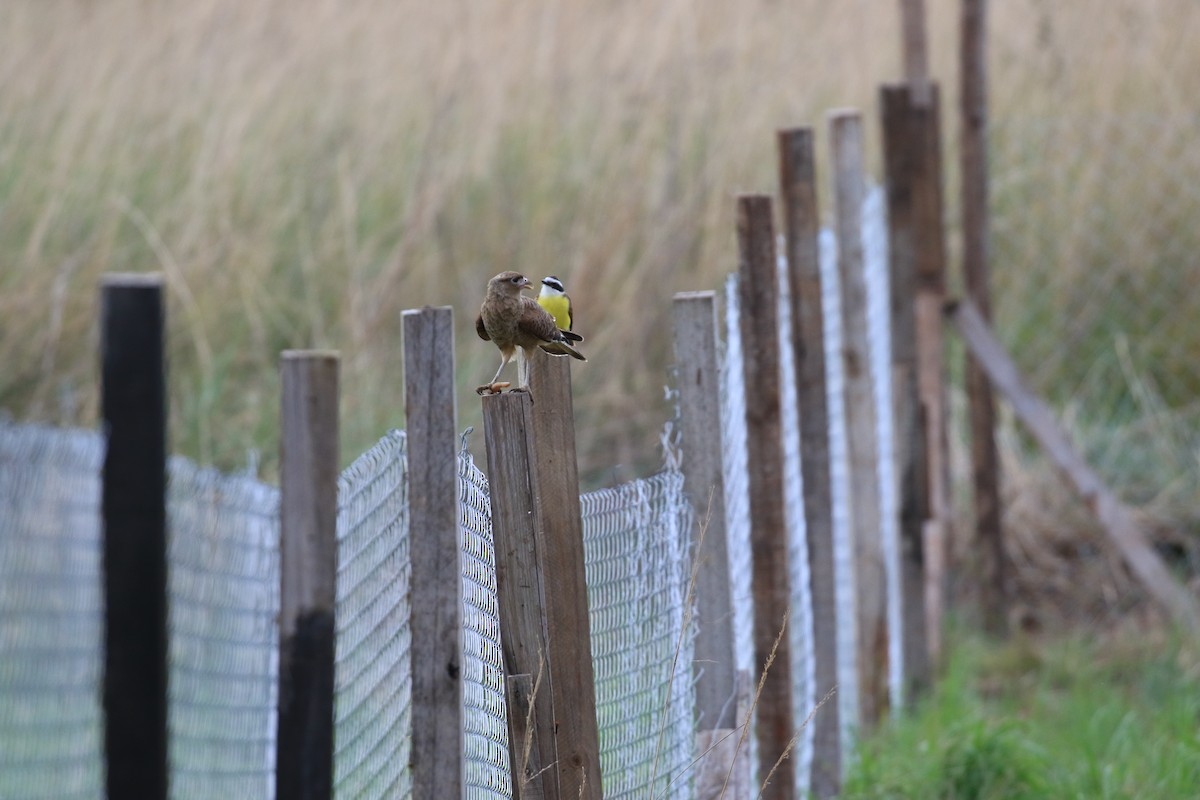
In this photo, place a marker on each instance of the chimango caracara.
(518, 326)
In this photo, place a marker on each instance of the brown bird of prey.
(518, 325)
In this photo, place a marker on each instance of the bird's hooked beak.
(527, 284)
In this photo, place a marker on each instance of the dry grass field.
(302, 171)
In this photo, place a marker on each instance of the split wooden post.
(903, 163)
(699, 379)
(133, 508)
(770, 581)
(560, 544)
(508, 430)
(308, 464)
(436, 583)
(985, 463)
(1115, 516)
(870, 578)
(802, 224)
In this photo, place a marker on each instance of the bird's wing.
(570, 314)
(537, 322)
(481, 330)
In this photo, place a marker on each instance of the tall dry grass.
(301, 171)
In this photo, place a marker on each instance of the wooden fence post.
(985, 466)
(862, 434)
(698, 380)
(437, 610)
(802, 224)
(308, 476)
(771, 584)
(917, 127)
(133, 407)
(915, 48)
(561, 547)
(508, 431)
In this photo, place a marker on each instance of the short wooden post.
(508, 431)
(308, 476)
(560, 544)
(985, 463)
(771, 584)
(133, 507)
(862, 434)
(436, 650)
(802, 224)
(921, 138)
(698, 379)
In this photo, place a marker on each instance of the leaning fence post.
(561, 545)
(798, 189)
(861, 432)
(133, 406)
(771, 584)
(512, 481)
(308, 456)
(698, 379)
(437, 648)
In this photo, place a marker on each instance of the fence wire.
(50, 624)
(636, 540)
(223, 584)
(373, 673)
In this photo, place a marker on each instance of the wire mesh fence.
(50, 626)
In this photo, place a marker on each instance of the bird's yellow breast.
(559, 308)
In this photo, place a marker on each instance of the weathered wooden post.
(870, 589)
(698, 379)
(771, 584)
(985, 466)
(308, 573)
(133, 506)
(508, 430)
(802, 224)
(437, 609)
(913, 144)
(561, 547)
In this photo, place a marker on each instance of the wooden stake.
(508, 431)
(133, 508)
(715, 669)
(771, 585)
(436, 594)
(862, 434)
(985, 463)
(802, 223)
(308, 573)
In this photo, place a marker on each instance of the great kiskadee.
(555, 300)
(518, 326)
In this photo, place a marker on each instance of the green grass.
(1074, 719)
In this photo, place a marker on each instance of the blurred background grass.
(302, 171)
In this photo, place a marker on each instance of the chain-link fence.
(223, 554)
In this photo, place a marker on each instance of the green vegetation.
(1074, 719)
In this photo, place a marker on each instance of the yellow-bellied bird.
(517, 325)
(554, 299)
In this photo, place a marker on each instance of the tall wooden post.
(437, 610)
(870, 588)
(771, 585)
(133, 507)
(508, 430)
(985, 467)
(802, 224)
(715, 669)
(902, 162)
(915, 48)
(308, 574)
(561, 544)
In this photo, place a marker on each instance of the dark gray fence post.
(133, 407)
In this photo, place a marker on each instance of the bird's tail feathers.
(571, 336)
(562, 349)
